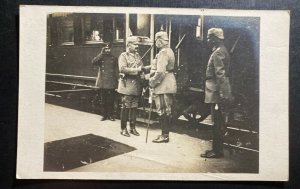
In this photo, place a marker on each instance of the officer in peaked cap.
(217, 89)
(162, 35)
(217, 32)
(163, 84)
(107, 80)
(130, 68)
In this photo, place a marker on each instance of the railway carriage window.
(99, 28)
(93, 28)
(67, 30)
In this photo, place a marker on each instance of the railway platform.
(180, 155)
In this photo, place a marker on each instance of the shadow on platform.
(66, 154)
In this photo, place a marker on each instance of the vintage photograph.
(153, 94)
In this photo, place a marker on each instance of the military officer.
(217, 89)
(163, 84)
(107, 80)
(130, 68)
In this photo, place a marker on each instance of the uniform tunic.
(129, 64)
(217, 82)
(130, 85)
(163, 81)
(108, 71)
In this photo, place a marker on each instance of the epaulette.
(123, 54)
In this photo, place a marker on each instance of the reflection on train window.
(100, 28)
(67, 30)
(93, 28)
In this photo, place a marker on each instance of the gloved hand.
(144, 69)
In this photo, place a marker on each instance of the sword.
(150, 110)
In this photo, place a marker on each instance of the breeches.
(164, 103)
(130, 101)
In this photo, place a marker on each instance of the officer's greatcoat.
(163, 81)
(129, 65)
(108, 71)
(217, 81)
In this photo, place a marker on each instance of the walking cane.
(150, 110)
(143, 103)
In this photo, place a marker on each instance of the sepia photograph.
(155, 94)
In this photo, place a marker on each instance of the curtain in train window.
(67, 30)
(119, 27)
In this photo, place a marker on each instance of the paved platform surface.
(180, 155)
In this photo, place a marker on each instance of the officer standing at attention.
(163, 84)
(107, 80)
(130, 68)
(217, 89)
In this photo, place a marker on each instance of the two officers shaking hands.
(161, 81)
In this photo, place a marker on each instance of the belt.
(132, 76)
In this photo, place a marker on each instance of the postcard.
(140, 93)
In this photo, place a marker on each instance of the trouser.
(108, 98)
(217, 113)
(164, 103)
(128, 111)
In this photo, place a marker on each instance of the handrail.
(73, 84)
(72, 90)
(72, 76)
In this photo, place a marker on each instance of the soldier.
(217, 89)
(163, 84)
(130, 67)
(106, 80)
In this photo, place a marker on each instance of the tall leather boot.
(164, 137)
(166, 126)
(133, 122)
(124, 118)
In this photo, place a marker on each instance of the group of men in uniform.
(162, 84)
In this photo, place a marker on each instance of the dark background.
(9, 19)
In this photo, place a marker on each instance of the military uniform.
(129, 87)
(164, 86)
(106, 81)
(217, 92)
(129, 65)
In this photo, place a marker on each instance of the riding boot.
(133, 122)
(164, 137)
(166, 125)
(124, 118)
